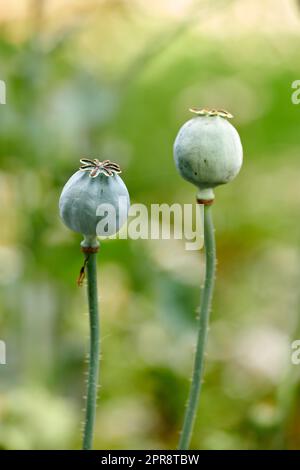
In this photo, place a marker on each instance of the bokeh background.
(115, 78)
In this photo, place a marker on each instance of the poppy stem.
(92, 384)
(206, 298)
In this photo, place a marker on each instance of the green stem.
(94, 351)
(210, 259)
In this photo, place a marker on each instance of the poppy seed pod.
(208, 151)
(93, 195)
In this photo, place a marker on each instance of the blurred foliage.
(114, 79)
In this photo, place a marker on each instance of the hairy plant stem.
(92, 384)
(210, 260)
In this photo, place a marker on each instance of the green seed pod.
(93, 195)
(208, 151)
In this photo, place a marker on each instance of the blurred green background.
(114, 79)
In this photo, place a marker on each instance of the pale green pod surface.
(86, 201)
(208, 151)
